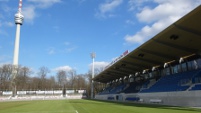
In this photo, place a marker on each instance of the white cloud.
(130, 22)
(56, 28)
(5, 59)
(66, 43)
(29, 11)
(99, 65)
(5, 14)
(64, 68)
(44, 3)
(70, 49)
(9, 24)
(159, 17)
(51, 50)
(136, 4)
(81, 1)
(3, 32)
(7, 9)
(165, 9)
(108, 7)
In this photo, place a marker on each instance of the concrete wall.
(180, 98)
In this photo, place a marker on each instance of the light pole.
(93, 55)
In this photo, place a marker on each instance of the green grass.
(87, 106)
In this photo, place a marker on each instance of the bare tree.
(35, 83)
(51, 83)
(80, 82)
(88, 78)
(24, 81)
(5, 76)
(71, 76)
(43, 71)
(62, 77)
(22, 77)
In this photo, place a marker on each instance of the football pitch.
(87, 106)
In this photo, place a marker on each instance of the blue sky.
(61, 34)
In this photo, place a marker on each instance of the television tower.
(18, 21)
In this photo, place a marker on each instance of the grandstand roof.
(180, 39)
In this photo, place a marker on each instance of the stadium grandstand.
(164, 70)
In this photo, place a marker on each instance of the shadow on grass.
(90, 101)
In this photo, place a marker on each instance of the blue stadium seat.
(132, 99)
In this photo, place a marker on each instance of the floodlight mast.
(93, 55)
(18, 21)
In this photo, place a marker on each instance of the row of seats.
(123, 88)
(168, 83)
(175, 82)
(113, 89)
